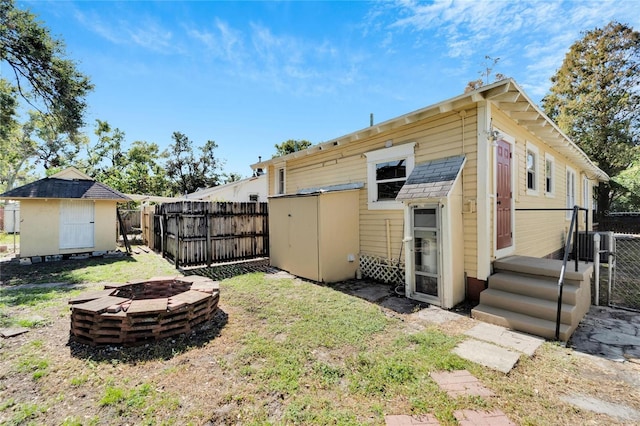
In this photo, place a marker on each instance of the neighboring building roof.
(433, 179)
(509, 98)
(206, 192)
(154, 198)
(51, 187)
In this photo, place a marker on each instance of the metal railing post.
(596, 266)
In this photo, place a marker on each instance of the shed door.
(76, 224)
(504, 233)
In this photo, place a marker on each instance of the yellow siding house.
(66, 213)
(442, 192)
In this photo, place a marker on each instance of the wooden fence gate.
(194, 233)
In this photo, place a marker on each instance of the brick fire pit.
(143, 311)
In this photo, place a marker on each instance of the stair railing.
(573, 233)
(565, 260)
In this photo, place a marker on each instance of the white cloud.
(530, 36)
(145, 32)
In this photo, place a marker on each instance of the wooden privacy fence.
(194, 233)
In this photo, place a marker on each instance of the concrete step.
(530, 306)
(545, 288)
(521, 322)
(544, 267)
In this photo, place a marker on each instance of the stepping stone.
(12, 332)
(621, 412)
(436, 315)
(460, 382)
(482, 418)
(405, 420)
(520, 342)
(487, 354)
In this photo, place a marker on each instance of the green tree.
(187, 172)
(627, 183)
(106, 161)
(144, 172)
(138, 170)
(42, 74)
(52, 148)
(16, 149)
(291, 145)
(231, 177)
(595, 99)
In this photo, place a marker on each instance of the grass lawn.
(279, 351)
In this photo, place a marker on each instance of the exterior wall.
(444, 135)
(40, 230)
(235, 191)
(538, 233)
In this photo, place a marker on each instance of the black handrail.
(565, 259)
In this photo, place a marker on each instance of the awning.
(433, 179)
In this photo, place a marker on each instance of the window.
(571, 190)
(549, 170)
(253, 197)
(387, 171)
(532, 169)
(280, 187)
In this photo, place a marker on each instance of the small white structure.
(254, 188)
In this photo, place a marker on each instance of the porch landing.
(523, 296)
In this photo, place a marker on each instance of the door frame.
(509, 250)
(410, 279)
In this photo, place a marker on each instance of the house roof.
(433, 179)
(52, 187)
(505, 94)
(205, 192)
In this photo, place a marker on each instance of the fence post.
(596, 266)
(208, 246)
(177, 256)
(610, 266)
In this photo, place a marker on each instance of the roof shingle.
(433, 179)
(65, 188)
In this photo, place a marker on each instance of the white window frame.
(281, 180)
(585, 193)
(536, 168)
(549, 175)
(398, 152)
(570, 188)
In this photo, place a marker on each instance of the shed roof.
(433, 179)
(52, 187)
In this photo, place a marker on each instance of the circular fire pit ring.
(138, 312)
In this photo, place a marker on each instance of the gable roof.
(433, 179)
(505, 94)
(52, 187)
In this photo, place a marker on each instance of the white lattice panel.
(381, 269)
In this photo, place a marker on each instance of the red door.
(503, 195)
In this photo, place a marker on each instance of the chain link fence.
(625, 286)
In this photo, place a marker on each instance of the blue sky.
(249, 75)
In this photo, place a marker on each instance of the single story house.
(440, 194)
(66, 213)
(251, 189)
